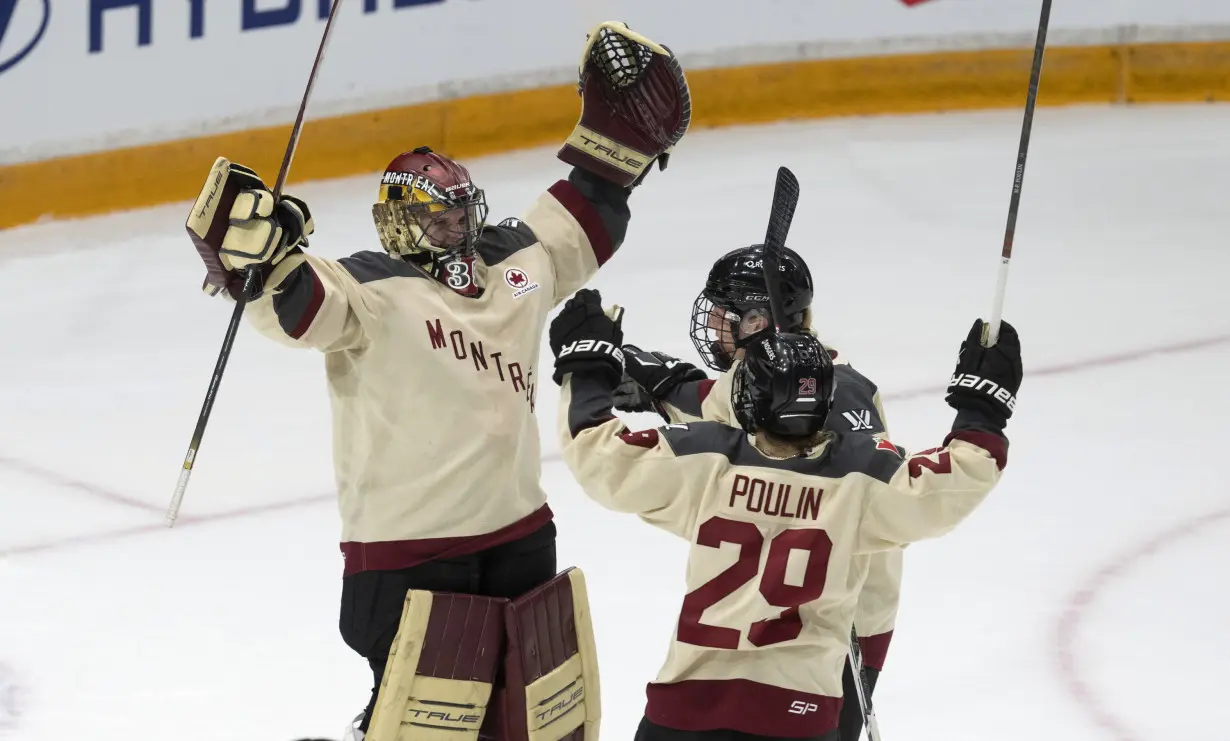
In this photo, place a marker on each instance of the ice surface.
(1083, 601)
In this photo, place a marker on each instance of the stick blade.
(785, 199)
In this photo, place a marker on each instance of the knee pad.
(438, 681)
(550, 689)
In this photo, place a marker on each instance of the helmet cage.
(416, 215)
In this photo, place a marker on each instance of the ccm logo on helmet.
(598, 346)
(752, 264)
(987, 386)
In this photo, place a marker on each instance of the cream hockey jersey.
(435, 443)
(763, 630)
(856, 408)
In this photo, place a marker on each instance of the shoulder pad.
(369, 266)
(497, 243)
(702, 437)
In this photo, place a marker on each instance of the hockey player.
(762, 633)
(732, 307)
(429, 348)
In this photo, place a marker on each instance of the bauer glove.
(586, 339)
(986, 379)
(657, 372)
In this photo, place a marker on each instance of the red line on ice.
(1068, 627)
(116, 498)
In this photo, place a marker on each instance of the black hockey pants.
(372, 601)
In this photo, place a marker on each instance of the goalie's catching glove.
(635, 106)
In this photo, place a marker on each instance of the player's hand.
(585, 338)
(263, 231)
(657, 372)
(629, 396)
(986, 379)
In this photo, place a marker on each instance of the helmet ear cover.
(784, 386)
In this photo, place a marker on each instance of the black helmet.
(735, 292)
(784, 386)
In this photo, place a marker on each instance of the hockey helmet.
(735, 303)
(428, 204)
(784, 386)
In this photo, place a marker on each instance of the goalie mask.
(428, 205)
(784, 386)
(734, 304)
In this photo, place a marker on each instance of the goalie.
(430, 348)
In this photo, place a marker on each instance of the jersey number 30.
(773, 587)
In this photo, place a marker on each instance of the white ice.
(1086, 600)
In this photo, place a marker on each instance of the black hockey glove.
(986, 379)
(630, 397)
(586, 340)
(657, 372)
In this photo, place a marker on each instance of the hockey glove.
(635, 106)
(657, 372)
(586, 340)
(630, 397)
(236, 224)
(986, 379)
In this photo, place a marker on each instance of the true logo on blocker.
(22, 25)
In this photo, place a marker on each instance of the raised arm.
(931, 492)
(634, 472)
(237, 226)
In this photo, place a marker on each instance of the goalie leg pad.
(551, 690)
(438, 680)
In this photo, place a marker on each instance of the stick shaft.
(862, 688)
(250, 284)
(1014, 205)
(297, 129)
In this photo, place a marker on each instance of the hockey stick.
(251, 283)
(991, 330)
(862, 688)
(785, 198)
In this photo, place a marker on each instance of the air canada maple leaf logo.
(516, 278)
(520, 282)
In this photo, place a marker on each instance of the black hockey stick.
(991, 331)
(863, 688)
(785, 198)
(251, 284)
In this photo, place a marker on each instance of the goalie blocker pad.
(464, 667)
(210, 217)
(635, 105)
